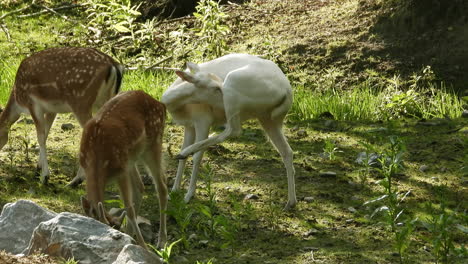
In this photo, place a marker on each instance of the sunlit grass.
(362, 103)
(365, 103)
(357, 104)
(7, 77)
(442, 103)
(152, 82)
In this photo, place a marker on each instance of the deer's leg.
(153, 161)
(49, 120)
(138, 188)
(41, 126)
(126, 189)
(275, 132)
(189, 138)
(202, 131)
(8, 117)
(233, 128)
(82, 118)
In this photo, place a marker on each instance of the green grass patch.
(153, 83)
(366, 103)
(7, 78)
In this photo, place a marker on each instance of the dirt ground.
(6, 258)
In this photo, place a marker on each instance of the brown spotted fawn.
(59, 80)
(127, 129)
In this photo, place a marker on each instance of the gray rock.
(179, 259)
(302, 133)
(465, 113)
(204, 242)
(327, 174)
(311, 232)
(352, 209)
(133, 254)
(423, 168)
(308, 199)
(17, 223)
(311, 248)
(378, 130)
(67, 126)
(75, 236)
(251, 196)
(329, 123)
(146, 228)
(193, 237)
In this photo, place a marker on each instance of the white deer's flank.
(229, 90)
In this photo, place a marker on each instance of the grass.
(267, 234)
(363, 102)
(7, 73)
(152, 82)
(322, 228)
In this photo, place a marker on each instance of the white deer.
(229, 90)
(59, 80)
(127, 129)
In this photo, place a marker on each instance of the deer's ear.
(186, 76)
(193, 67)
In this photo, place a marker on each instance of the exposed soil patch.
(355, 38)
(6, 258)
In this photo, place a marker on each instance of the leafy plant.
(12, 141)
(439, 223)
(391, 161)
(425, 79)
(402, 237)
(165, 253)
(442, 224)
(227, 231)
(211, 27)
(368, 160)
(208, 222)
(26, 143)
(330, 149)
(114, 23)
(210, 211)
(398, 103)
(182, 213)
(273, 213)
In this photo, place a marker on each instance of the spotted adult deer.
(127, 129)
(59, 80)
(229, 90)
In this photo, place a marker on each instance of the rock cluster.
(27, 228)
